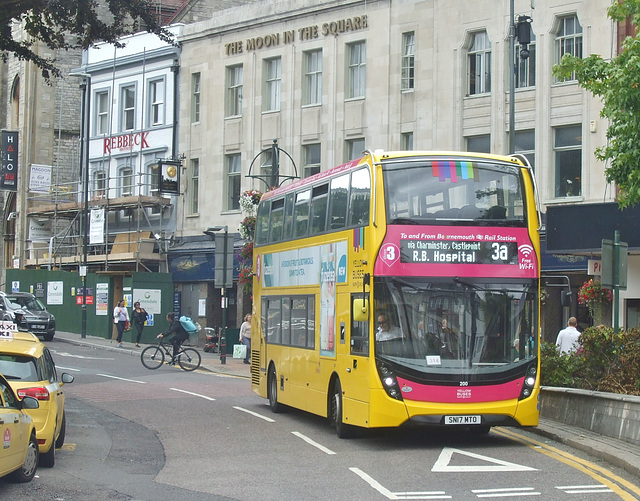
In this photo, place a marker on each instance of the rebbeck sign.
(9, 153)
(131, 141)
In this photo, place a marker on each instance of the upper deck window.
(454, 191)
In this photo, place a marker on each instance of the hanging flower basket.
(245, 255)
(594, 297)
(249, 201)
(245, 279)
(247, 228)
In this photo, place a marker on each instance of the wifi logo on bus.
(526, 250)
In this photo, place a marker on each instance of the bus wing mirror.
(361, 309)
(565, 298)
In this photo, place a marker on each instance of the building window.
(195, 98)
(356, 70)
(193, 192)
(480, 64)
(526, 68)
(525, 143)
(312, 86)
(156, 102)
(126, 181)
(233, 182)
(406, 141)
(128, 107)
(312, 154)
(408, 61)
(569, 40)
(568, 158)
(99, 185)
(272, 84)
(102, 112)
(354, 149)
(234, 91)
(266, 166)
(479, 144)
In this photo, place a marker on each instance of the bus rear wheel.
(335, 415)
(272, 391)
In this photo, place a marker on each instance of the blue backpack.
(189, 325)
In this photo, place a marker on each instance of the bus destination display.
(458, 252)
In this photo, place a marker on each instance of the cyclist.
(180, 335)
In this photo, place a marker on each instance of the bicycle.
(153, 356)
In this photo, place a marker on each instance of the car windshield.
(27, 302)
(17, 367)
(454, 323)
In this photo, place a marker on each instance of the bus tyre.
(272, 391)
(343, 430)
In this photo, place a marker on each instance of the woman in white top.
(245, 336)
(120, 318)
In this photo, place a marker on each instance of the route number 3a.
(500, 252)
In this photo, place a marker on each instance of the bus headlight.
(529, 381)
(389, 381)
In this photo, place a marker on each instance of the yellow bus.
(401, 287)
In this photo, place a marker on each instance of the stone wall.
(609, 414)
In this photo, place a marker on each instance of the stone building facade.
(327, 80)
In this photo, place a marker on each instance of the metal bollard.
(223, 350)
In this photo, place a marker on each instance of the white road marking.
(583, 489)
(311, 442)
(442, 464)
(398, 495)
(508, 492)
(193, 394)
(122, 378)
(67, 368)
(70, 355)
(268, 420)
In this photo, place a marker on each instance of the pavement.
(615, 452)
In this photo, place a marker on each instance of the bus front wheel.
(342, 429)
(272, 391)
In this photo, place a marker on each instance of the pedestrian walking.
(567, 341)
(245, 336)
(139, 317)
(120, 318)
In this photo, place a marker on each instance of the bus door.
(355, 364)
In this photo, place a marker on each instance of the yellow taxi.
(19, 451)
(28, 366)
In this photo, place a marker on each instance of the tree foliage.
(71, 24)
(617, 82)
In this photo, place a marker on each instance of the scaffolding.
(136, 218)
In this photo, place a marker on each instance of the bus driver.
(386, 331)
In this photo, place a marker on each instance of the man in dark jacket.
(180, 335)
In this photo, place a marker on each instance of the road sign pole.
(616, 281)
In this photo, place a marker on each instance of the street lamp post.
(84, 159)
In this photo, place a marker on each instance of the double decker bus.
(402, 287)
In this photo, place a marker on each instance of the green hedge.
(606, 361)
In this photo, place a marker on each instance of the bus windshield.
(450, 190)
(455, 324)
